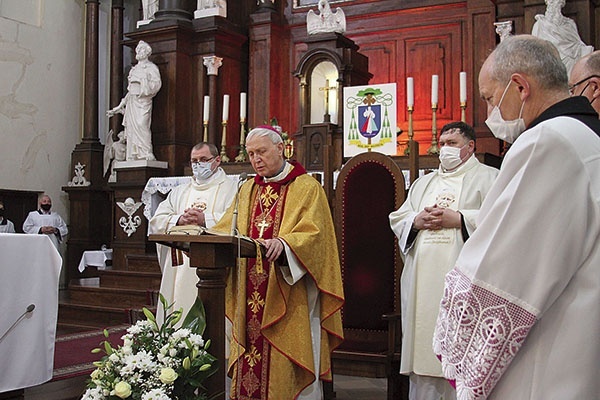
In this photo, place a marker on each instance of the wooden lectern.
(211, 255)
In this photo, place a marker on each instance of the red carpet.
(73, 353)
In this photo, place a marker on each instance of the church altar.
(29, 294)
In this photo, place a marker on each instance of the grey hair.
(271, 133)
(592, 64)
(211, 147)
(531, 56)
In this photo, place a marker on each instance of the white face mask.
(202, 170)
(450, 157)
(508, 131)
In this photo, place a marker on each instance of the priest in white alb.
(519, 318)
(44, 221)
(200, 202)
(432, 225)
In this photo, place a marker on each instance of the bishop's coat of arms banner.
(370, 119)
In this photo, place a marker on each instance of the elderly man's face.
(491, 92)
(265, 156)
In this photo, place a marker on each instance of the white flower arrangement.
(156, 362)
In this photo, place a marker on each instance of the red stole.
(265, 219)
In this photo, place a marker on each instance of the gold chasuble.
(271, 353)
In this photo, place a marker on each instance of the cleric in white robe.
(519, 319)
(44, 221)
(6, 226)
(201, 202)
(458, 187)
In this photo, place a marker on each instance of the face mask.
(201, 170)
(46, 207)
(450, 157)
(508, 131)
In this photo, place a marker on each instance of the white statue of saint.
(562, 32)
(149, 7)
(143, 84)
(325, 21)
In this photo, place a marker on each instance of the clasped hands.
(48, 230)
(192, 216)
(435, 218)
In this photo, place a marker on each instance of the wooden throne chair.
(369, 187)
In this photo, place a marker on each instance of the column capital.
(213, 63)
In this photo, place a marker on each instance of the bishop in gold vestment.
(284, 306)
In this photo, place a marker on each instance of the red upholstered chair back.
(369, 187)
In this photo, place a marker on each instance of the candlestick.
(463, 86)
(434, 89)
(206, 108)
(433, 149)
(410, 129)
(242, 106)
(463, 112)
(241, 157)
(223, 154)
(410, 92)
(225, 107)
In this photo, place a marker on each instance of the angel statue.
(325, 21)
(114, 151)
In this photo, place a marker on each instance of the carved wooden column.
(116, 64)
(89, 202)
(265, 91)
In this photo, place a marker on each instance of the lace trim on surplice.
(478, 333)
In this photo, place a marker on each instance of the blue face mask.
(202, 170)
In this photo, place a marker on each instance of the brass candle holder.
(224, 157)
(241, 157)
(433, 149)
(463, 112)
(205, 132)
(410, 129)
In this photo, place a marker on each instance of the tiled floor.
(359, 388)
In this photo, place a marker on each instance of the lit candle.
(463, 87)
(206, 107)
(225, 107)
(434, 89)
(242, 105)
(410, 92)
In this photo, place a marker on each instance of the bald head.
(585, 79)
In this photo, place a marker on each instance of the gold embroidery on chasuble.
(253, 368)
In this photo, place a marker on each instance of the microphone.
(29, 309)
(242, 179)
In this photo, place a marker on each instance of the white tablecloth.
(156, 191)
(29, 271)
(95, 258)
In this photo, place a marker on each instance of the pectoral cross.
(262, 225)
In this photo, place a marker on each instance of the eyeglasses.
(573, 86)
(195, 161)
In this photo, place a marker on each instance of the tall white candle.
(434, 89)
(410, 92)
(206, 107)
(463, 86)
(242, 105)
(225, 107)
